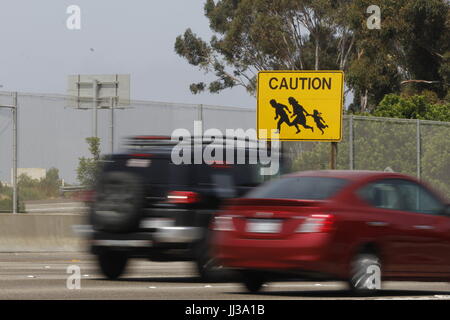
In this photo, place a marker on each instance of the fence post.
(419, 149)
(200, 116)
(350, 146)
(111, 126)
(15, 196)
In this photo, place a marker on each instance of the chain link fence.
(416, 147)
(51, 133)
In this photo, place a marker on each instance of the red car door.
(401, 217)
(421, 240)
(382, 222)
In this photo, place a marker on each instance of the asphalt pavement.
(43, 276)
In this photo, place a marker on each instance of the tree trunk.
(317, 54)
(364, 99)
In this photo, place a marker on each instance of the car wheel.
(112, 264)
(207, 267)
(365, 274)
(253, 280)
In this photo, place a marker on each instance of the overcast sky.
(134, 37)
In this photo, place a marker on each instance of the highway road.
(44, 276)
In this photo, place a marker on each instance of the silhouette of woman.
(280, 113)
(320, 123)
(301, 114)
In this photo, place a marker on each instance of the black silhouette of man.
(320, 123)
(301, 114)
(280, 113)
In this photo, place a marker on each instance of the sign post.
(301, 106)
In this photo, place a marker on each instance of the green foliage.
(435, 157)
(45, 188)
(31, 189)
(88, 167)
(254, 35)
(414, 107)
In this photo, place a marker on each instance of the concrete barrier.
(55, 206)
(40, 232)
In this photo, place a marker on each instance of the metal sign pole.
(94, 106)
(333, 158)
(14, 110)
(112, 126)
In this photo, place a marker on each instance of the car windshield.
(307, 188)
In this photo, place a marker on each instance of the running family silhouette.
(299, 111)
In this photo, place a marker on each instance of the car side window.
(416, 198)
(381, 194)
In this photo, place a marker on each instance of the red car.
(357, 226)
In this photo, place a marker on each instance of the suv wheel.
(365, 274)
(112, 264)
(252, 280)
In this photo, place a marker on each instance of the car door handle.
(423, 227)
(377, 223)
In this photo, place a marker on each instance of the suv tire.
(112, 263)
(252, 280)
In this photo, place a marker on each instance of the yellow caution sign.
(300, 105)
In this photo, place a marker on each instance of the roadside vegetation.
(31, 189)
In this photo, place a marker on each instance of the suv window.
(416, 198)
(307, 188)
(242, 174)
(381, 194)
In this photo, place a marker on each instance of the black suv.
(145, 206)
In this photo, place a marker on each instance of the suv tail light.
(317, 223)
(223, 223)
(183, 197)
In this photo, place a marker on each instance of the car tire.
(112, 264)
(207, 268)
(365, 274)
(206, 265)
(253, 281)
(118, 203)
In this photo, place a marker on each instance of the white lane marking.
(303, 285)
(435, 297)
(238, 285)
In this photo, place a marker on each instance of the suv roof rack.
(143, 140)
